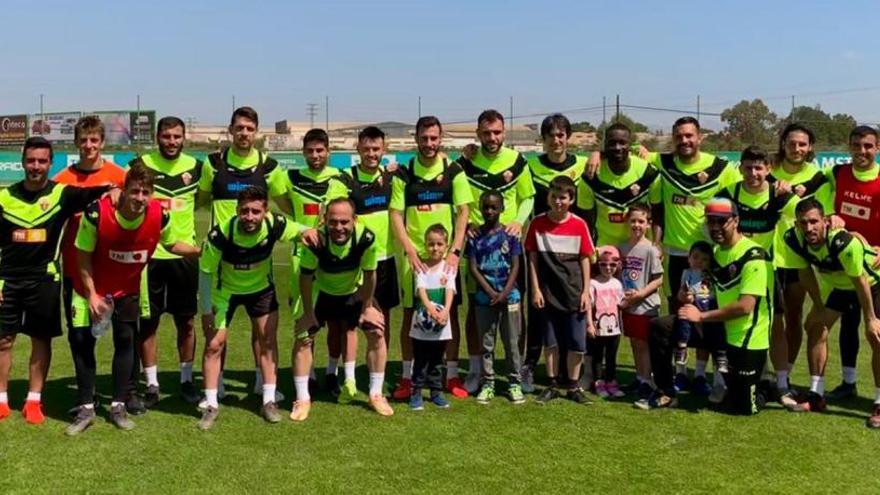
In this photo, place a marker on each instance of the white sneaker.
(472, 383)
(527, 379)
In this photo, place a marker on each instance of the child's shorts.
(564, 329)
(637, 326)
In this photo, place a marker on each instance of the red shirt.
(109, 173)
(560, 247)
(854, 202)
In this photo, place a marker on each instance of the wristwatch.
(457, 252)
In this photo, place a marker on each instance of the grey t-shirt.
(641, 264)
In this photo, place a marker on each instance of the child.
(559, 248)
(431, 330)
(642, 278)
(695, 289)
(494, 263)
(606, 292)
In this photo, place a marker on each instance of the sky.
(373, 60)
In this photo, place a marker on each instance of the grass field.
(562, 447)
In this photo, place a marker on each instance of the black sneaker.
(578, 396)
(843, 391)
(331, 383)
(151, 396)
(700, 386)
(134, 405)
(189, 393)
(119, 418)
(547, 395)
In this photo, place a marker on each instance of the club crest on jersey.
(44, 204)
(439, 179)
(505, 247)
(702, 177)
(800, 190)
(129, 257)
(186, 178)
(507, 176)
(634, 189)
(264, 242)
(732, 270)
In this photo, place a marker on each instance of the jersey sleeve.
(655, 191)
(795, 260)
(515, 246)
(87, 234)
(166, 235)
(585, 198)
(421, 280)
(78, 198)
(276, 180)
(206, 179)
(308, 262)
(336, 188)
(587, 248)
(450, 282)
(398, 202)
(754, 278)
(655, 261)
(852, 258)
(730, 176)
(292, 230)
(461, 190)
(370, 259)
(525, 187)
(531, 238)
(210, 257)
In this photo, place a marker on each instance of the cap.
(720, 207)
(609, 251)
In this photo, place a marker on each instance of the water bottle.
(100, 327)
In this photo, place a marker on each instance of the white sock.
(152, 374)
(451, 369)
(700, 369)
(376, 382)
(4, 397)
(302, 387)
(849, 375)
(407, 369)
(817, 384)
(782, 379)
(34, 396)
(211, 397)
(332, 366)
(877, 396)
(475, 363)
(117, 403)
(349, 369)
(90, 405)
(186, 372)
(681, 369)
(718, 379)
(268, 393)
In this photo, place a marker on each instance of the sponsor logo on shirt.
(678, 199)
(430, 196)
(236, 186)
(173, 204)
(186, 178)
(29, 236)
(129, 257)
(863, 198)
(376, 201)
(311, 209)
(243, 266)
(854, 210)
(615, 217)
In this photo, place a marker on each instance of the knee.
(215, 346)
(375, 338)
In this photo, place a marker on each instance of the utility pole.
(511, 112)
(42, 115)
(604, 122)
(233, 104)
(617, 109)
(311, 111)
(420, 107)
(327, 113)
(135, 129)
(792, 104)
(698, 107)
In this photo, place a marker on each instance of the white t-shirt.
(435, 281)
(606, 298)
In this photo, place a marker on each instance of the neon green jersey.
(226, 174)
(176, 183)
(760, 213)
(840, 257)
(427, 195)
(745, 269)
(242, 263)
(307, 189)
(807, 181)
(507, 172)
(611, 194)
(371, 193)
(339, 269)
(544, 170)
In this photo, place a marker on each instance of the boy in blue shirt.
(493, 257)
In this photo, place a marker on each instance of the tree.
(625, 120)
(830, 131)
(583, 127)
(750, 122)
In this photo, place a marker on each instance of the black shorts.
(127, 308)
(387, 290)
(257, 304)
(846, 301)
(173, 284)
(564, 329)
(345, 308)
(31, 307)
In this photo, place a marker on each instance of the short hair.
(253, 193)
(861, 131)
(489, 193)
(754, 153)
(246, 112)
(618, 126)
(141, 174)
(37, 143)
(563, 184)
(489, 116)
(795, 127)
(437, 228)
(169, 122)
(89, 124)
(341, 200)
(427, 121)
(316, 135)
(371, 132)
(685, 120)
(555, 121)
(639, 207)
(702, 247)
(808, 204)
